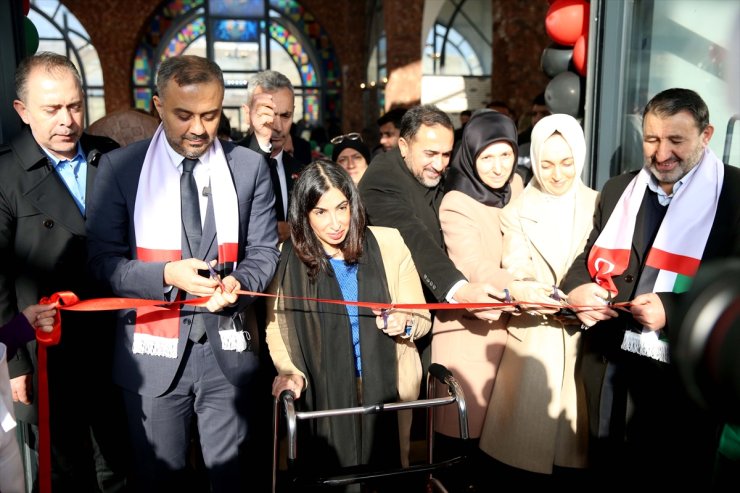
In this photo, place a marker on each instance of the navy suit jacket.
(112, 259)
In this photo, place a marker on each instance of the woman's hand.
(393, 323)
(293, 382)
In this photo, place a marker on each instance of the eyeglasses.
(350, 136)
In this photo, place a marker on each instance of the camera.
(705, 342)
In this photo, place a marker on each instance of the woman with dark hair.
(333, 356)
(481, 182)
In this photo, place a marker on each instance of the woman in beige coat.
(536, 418)
(481, 182)
(333, 356)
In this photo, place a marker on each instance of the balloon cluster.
(31, 34)
(564, 60)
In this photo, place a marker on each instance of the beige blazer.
(469, 347)
(537, 415)
(404, 286)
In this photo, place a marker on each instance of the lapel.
(43, 187)
(209, 231)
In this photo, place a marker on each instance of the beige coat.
(404, 286)
(469, 347)
(537, 415)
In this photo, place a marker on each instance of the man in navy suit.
(179, 363)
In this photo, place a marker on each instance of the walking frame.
(360, 474)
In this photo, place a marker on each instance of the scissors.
(216, 277)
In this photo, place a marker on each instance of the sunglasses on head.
(350, 136)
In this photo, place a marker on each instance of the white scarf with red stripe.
(678, 247)
(158, 229)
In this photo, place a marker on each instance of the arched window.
(60, 32)
(459, 42)
(245, 37)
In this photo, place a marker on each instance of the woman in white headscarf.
(536, 421)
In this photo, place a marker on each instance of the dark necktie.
(190, 203)
(276, 189)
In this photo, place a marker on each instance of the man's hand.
(183, 274)
(261, 116)
(593, 296)
(223, 298)
(283, 231)
(22, 388)
(293, 383)
(476, 292)
(41, 317)
(648, 310)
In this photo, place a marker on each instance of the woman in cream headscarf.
(536, 418)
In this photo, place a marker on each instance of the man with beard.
(652, 229)
(402, 189)
(165, 213)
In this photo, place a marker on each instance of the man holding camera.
(652, 230)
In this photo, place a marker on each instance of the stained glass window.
(243, 41)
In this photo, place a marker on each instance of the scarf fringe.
(234, 340)
(646, 344)
(155, 345)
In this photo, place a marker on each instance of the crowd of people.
(560, 343)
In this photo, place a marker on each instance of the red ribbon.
(66, 300)
(45, 339)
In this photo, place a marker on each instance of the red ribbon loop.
(57, 300)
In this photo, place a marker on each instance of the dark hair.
(539, 100)
(466, 113)
(315, 180)
(52, 63)
(675, 100)
(428, 115)
(186, 70)
(393, 116)
(498, 104)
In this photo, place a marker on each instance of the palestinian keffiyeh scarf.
(676, 252)
(158, 229)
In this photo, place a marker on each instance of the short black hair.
(428, 115)
(393, 116)
(675, 100)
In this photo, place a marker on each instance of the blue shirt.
(347, 279)
(74, 174)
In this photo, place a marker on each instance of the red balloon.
(580, 54)
(26, 6)
(566, 20)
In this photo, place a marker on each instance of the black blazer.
(291, 165)
(395, 199)
(43, 242)
(601, 343)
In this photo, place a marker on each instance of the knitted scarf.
(158, 230)
(677, 250)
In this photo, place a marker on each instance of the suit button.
(629, 278)
(48, 223)
(187, 321)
